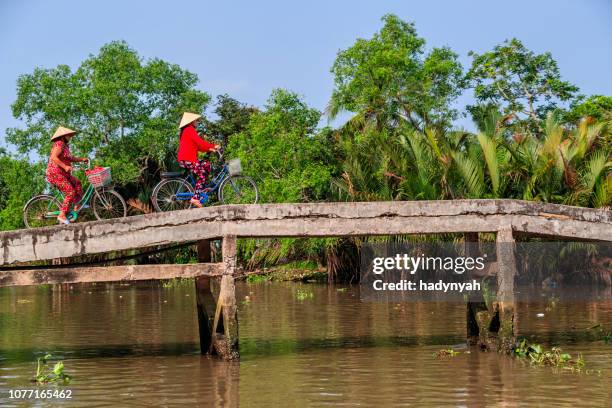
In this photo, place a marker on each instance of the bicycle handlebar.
(219, 152)
(81, 165)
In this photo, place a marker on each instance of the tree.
(524, 84)
(389, 80)
(598, 107)
(18, 179)
(282, 150)
(232, 117)
(127, 109)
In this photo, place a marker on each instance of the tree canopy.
(524, 84)
(281, 148)
(390, 79)
(126, 109)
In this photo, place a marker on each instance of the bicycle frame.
(87, 196)
(211, 187)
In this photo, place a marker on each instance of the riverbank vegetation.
(535, 137)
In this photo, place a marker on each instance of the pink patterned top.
(65, 157)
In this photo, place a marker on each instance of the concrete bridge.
(217, 306)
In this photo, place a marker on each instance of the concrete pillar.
(217, 315)
(226, 307)
(505, 303)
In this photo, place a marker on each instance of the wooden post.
(505, 301)
(225, 324)
(205, 301)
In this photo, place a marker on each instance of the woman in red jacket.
(190, 144)
(59, 169)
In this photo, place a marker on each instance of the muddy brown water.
(302, 345)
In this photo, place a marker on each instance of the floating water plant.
(45, 374)
(258, 278)
(446, 353)
(554, 357)
(602, 332)
(303, 294)
(177, 283)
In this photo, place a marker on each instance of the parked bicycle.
(42, 210)
(176, 189)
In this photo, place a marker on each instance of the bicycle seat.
(171, 174)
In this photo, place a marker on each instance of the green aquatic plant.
(446, 353)
(602, 332)
(304, 294)
(537, 355)
(258, 278)
(46, 374)
(177, 283)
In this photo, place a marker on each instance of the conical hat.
(187, 118)
(62, 131)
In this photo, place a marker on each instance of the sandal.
(65, 221)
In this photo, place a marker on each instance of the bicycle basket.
(234, 167)
(99, 177)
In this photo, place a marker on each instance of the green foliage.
(302, 294)
(46, 374)
(176, 283)
(282, 151)
(536, 355)
(389, 79)
(18, 180)
(127, 109)
(598, 107)
(526, 85)
(446, 353)
(601, 332)
(232, 117)
(258, 278)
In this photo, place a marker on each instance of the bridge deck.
(305, 220)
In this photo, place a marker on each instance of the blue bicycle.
(175, 190)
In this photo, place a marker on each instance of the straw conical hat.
(187, 118)
(62, 131)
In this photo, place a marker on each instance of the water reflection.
(138, 345)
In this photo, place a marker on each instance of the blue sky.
(247, 48)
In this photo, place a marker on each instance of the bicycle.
(175, 190)
(42, 210)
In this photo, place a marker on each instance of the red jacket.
(191, 143)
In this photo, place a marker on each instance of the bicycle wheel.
(108, 204)
(238, 190)
(41, 211)
(164, 195)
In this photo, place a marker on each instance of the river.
(302, 345)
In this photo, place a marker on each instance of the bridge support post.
(471, 246)
(217, 315)
(225, 325)
(491, 323)
(505, 303)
